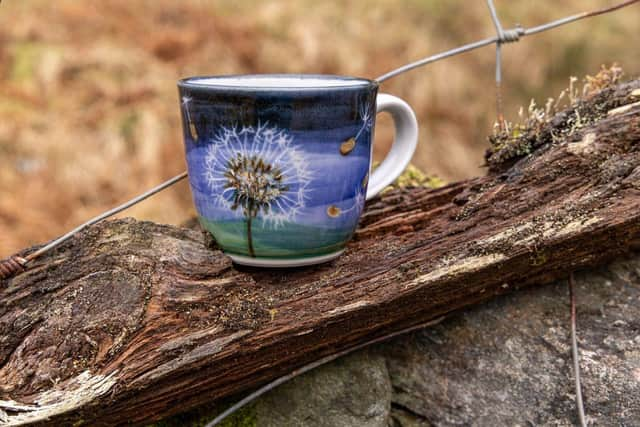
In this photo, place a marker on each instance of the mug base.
(283, 263)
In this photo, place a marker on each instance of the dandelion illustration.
(366, 117)
(364, 111)
(186, 100)
(347, 146)
(257, 172)
(334, 211)
(358, 202)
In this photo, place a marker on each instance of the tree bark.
(133, 321)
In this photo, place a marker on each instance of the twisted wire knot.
(510, 36)
(9, 267)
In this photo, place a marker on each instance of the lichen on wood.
(557, 121)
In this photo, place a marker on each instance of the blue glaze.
(269, 160)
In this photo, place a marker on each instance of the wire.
(104, 215)
(496, 39)
(574, 352)
(503, 37)
(306, 368)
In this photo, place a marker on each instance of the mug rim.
(349, 82)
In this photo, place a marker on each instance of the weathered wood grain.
(132, 321)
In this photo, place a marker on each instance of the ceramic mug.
(280, 165)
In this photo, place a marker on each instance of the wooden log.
(133, 321)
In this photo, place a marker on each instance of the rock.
(352, 391)
(507, 362)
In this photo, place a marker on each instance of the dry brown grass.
(88, 105)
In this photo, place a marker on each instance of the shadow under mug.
(280, 165)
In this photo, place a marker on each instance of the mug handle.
(404, 144)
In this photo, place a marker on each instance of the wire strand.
(485, 42)
(104, 215)
(575, 355)
(306, 368)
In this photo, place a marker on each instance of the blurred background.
(89, 109)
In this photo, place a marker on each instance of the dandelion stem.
(249, 237)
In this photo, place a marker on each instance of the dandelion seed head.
(257, 172)
(365, 115)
